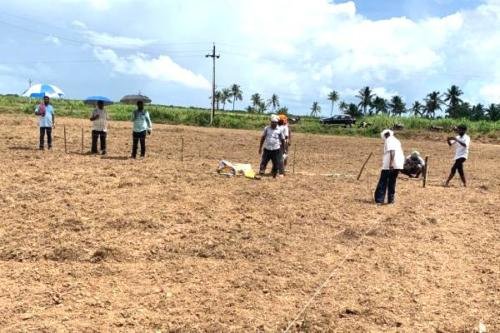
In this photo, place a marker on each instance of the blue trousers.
(386, 184)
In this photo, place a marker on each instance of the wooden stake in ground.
(426, 169)
(293, 157)
(182, 148)
(363, 167)
(65, 145)
(82, 140)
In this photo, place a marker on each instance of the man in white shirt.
(99, 120)
(47, 120)
(392, 162)
(272, 140)
(462, 143)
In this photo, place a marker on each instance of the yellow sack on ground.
(236, 169)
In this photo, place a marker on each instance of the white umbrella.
(40, 89)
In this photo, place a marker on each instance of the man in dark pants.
(47, 120)
(462, 143)
(142, 125)
(99, 120)
(393, 161)
(272, 140)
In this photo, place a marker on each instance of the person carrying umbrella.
(46, 121)
(99, 120)
(141, 126)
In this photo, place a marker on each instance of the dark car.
(338, 120)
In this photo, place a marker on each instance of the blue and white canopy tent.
(40, 90)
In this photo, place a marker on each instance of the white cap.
(275, 118)
(384, 132)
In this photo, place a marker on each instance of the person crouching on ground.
(272, 140)
(99, 120)
(414, 165)
(462, 143)
(46, 122)
(142, 126)
(392, 162)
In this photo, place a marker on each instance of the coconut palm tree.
(417, 108)
(256, 100)
(218, 98)
(478, 112)
(493, 112)
(283, 110)
(315, 109)
(274, 101)
(353, 110)
(262, 107)
(333, 97)
(397, 106)
(452, 96)
(343, 106)
(433, 103)
(366, 98)
(236, 93)
(380, 105)
(225, 96)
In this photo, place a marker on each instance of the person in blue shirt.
(46, 121)
(141, 126)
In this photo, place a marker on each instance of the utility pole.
(213, 56)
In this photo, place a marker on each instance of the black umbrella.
(133, 99)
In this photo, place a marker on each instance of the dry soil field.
(95, 244)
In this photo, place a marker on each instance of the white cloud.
(107, 40)
(119, 42)
(491, 92)
(52, 39)
(162, 68)
(96, 5)
(299, 49)
(4, 68)
(100, 4)
(382, 92)
(79, 24)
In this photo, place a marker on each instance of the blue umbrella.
(92, 100)
(45, 89)
(37, 95)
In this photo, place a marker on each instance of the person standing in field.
(141, 126)
(46, 121)
(462, 143)
(99, 120)
(392, 162)
(272, 140)
(283, 125)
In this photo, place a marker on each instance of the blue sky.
(300, 50)
(413, 9)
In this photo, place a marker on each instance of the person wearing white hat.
(392, 162)
(272, 140)
(414, 165)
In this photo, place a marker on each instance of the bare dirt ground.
(97, 244)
